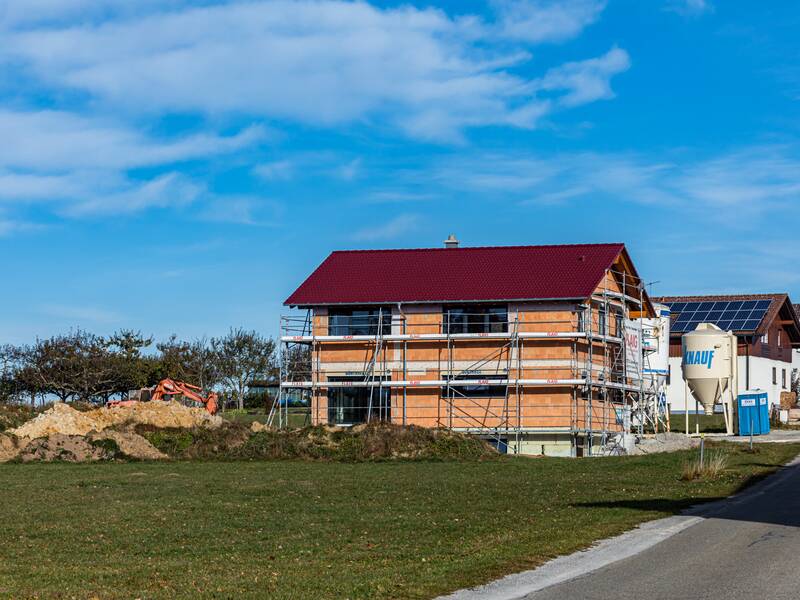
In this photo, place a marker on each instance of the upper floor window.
(780, 338)
(765, 338)
(480, 386)
(475, 318)
(360, 320)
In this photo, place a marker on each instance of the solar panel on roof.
(737, 315)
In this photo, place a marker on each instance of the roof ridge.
(683, 297)
(516, 247)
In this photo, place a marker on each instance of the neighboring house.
(766, 326)
(523, 345)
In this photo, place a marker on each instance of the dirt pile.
(130, 444)
(65, 420)
(68, 448)
(258, 427)
(107, 445)
(10, 447)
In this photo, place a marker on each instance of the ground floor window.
(353, 405)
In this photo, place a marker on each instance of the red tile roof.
(457, 274)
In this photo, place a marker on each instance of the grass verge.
(294, 529)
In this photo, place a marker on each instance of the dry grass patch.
(712, 466)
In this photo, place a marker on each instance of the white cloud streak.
(59, 140)
(737, 187)
(690, 8)
(396, 227)
(321, 63)
(540, 21)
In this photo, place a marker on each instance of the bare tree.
(242, 357)
(73, 366)
(194, 362)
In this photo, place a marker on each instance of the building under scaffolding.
(538, 349)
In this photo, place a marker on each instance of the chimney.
(451, 242)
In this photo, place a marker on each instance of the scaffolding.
(480, 382)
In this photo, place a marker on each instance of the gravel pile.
(665, 442)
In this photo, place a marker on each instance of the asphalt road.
(746, 548)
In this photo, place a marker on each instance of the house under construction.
(536, 348)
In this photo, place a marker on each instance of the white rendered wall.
(760, 378)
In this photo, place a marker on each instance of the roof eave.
(450, 301)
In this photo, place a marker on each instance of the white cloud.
(350, 170)
(394, 228)
(586, 81)
(243, 210)
(81, 163)
(737, 188)
(170, 190)
(80, 314)
(282, 170)
(690, 8)
(546, 21)
(59, 140)
(321, 63)
(758, 179)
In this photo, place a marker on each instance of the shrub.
(14, 415)
(198, 442)
(109, 447)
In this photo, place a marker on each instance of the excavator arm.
(169, 388)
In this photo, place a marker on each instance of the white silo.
(709, 368)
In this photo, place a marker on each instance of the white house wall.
(760, 378)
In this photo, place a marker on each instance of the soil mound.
(130, 444)
(65, 420)
(68, 448)
(10, 447)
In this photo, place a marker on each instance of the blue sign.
(699, 357)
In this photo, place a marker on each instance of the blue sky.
(178, 166)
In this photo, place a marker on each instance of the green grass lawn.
(287, 529)
(708, 423)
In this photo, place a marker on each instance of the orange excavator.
(169, 389)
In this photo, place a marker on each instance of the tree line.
(82, 366)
